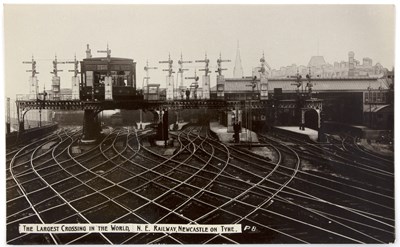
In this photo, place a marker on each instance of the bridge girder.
(135, 105)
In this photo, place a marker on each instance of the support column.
(302, 120)
(230, 121)
(21, 126)
(319, 118)
(75, 87)
(91, 126)
(321, 127)
(141, 119)
(8, 128)
(206, 87)
(220, 87)
(182, 92)
(8, 119)
(33, 87)
(55, 87)
(21, 123)
(263, 87)
(170, 87)
(165, 126)
(108, 93)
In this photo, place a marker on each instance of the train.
(108, 78)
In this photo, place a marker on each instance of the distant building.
(321, 69)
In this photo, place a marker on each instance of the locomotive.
(108, 78)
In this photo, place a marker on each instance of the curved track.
(123, 179)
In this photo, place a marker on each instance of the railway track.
(124, 180)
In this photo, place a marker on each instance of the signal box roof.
(112, 60)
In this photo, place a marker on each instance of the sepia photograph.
(199, 124)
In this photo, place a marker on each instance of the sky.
(287, 34)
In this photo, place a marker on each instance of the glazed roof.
(357, 85)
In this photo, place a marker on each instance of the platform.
(222, 132)
(310, 133)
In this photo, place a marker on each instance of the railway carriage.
(108, 78)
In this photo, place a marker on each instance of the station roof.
(103, 59)
(320, 85)
(333, 85)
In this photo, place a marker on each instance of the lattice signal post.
(55, 81)
(264, 78)
(220, 77)
(108, 86)
(75, 82)
(193, 87)
(180, 90)
(205, 78)
(304, 101)
(33, 81)
(169, 78)
(147, 78)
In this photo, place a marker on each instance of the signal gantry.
(219, 62)
(147, 68)
(169, 62)
(33, 70)
(206, 68)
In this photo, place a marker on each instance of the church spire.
(238, 69)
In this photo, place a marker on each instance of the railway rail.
(124, 180)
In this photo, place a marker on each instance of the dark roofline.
(105, 58)
(304, 79)
(328, 79)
